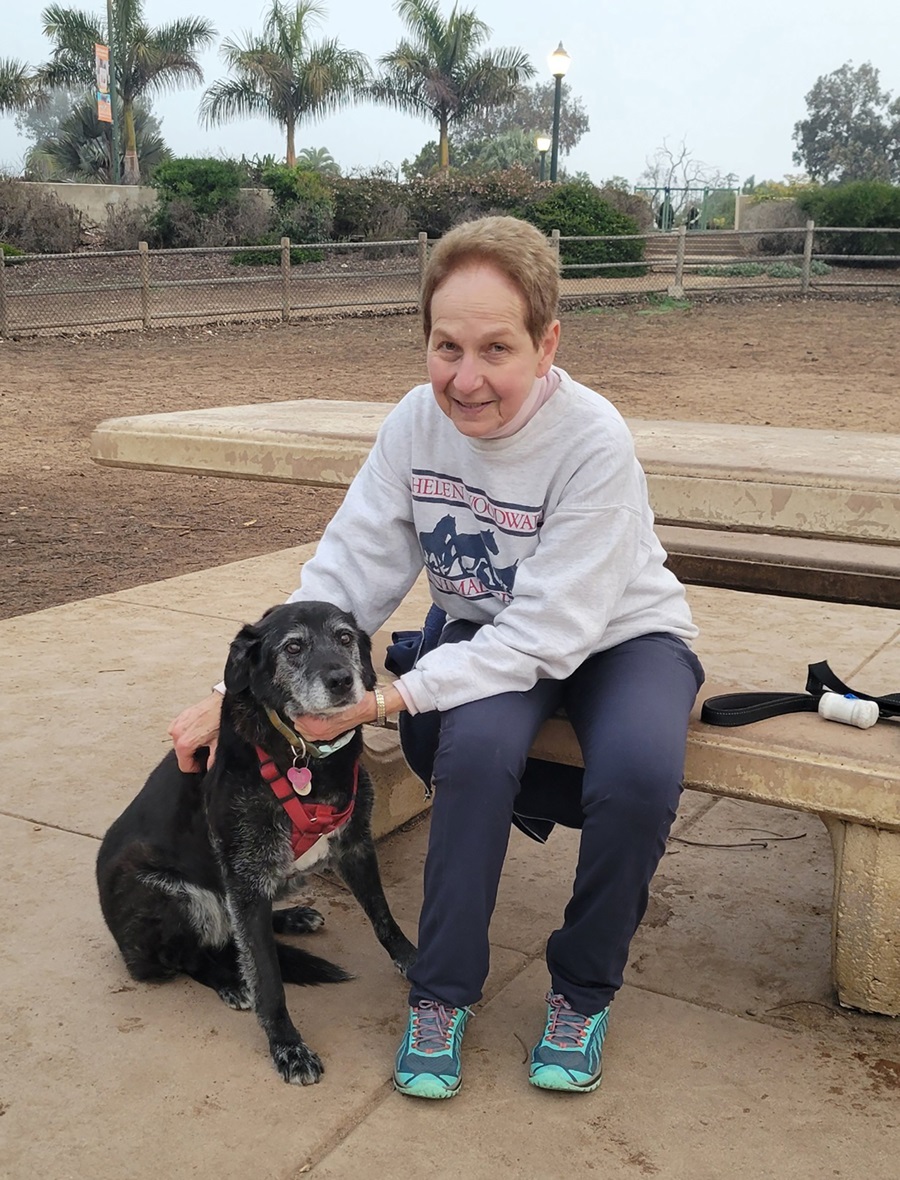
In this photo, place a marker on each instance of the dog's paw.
(236, 996)
(298, 919)
(297, 1063)
(404, 956)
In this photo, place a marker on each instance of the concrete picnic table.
(806, 513)
(834, 483)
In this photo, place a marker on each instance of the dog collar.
(304, 747)
(309, 821)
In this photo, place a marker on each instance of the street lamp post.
(559, 62)
(542, 143)
(115, 168)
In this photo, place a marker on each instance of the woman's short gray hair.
(514, 248)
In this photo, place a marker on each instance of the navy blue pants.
(629, 707)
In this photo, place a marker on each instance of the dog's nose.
(338, 680)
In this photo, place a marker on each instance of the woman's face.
(481, 360)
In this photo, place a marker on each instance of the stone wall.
(92, 199)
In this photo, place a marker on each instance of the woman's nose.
(468, 375)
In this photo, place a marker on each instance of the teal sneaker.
(567, 1057)
(428, 1058)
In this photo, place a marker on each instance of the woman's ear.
(547, 349)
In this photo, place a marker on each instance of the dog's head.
(301, 658)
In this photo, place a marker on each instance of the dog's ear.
(369, 677)
(243, 656)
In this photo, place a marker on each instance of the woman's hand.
(196, 726)
(316, 728)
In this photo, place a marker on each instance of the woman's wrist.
(390, 702)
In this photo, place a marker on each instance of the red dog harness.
(309, 821)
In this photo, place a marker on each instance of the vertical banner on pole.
(101, 71)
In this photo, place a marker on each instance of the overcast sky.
(728, 77)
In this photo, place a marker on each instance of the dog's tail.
(301, 967)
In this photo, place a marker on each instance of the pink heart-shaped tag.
(300, 779)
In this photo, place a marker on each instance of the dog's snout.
(338, 680)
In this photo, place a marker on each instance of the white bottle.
(848, 709)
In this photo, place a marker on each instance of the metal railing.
(58, 293)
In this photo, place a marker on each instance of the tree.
(79, 149)
(144, 59)
(530, 111)
(318, 160)
(852, 129)
(280, 75)
(509, 149)
(19, 88)
(44, 120)
(671, 171)
(440, 74)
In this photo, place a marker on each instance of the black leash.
(741, 708)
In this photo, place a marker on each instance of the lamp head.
(543, 143)
(559, 61)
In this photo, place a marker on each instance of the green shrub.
(370, 209)
(36, 222)
(775, 270)
(304, 203)
(206, 185)
(578, 210)
(863, 203)
(744, 270)
(437, 203)
(10, 252)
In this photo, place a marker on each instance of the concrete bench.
(804, 513)
(849, 778)
(810, 514)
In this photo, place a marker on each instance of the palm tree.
(144, 60)
(318, 160)
(440, 73)
(282, 76)
(79, 148)
(19, 88)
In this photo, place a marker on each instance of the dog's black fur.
(188, 873)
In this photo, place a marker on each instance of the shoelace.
(566, 1028)
(431, 1027)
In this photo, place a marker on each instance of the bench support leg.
(399, 795)
(865, 922)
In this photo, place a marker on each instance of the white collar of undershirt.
(541, 392)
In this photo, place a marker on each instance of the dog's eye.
(293, 647)
(345, 638)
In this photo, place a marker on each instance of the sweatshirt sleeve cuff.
(407, 698)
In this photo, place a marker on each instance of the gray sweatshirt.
(547, 535)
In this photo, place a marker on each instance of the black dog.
(188, 873)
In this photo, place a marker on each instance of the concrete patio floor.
(727, 1056)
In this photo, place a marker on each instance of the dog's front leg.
(358, 865)
(252, 920)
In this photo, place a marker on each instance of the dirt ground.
(72, 530)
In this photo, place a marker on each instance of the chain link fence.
(66, 293)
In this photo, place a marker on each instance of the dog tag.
(300, 779)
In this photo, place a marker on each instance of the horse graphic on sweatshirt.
(459, 556)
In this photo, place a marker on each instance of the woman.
(519, 492)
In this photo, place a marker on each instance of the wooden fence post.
(807, 257)
(422, 250)
(676, 290)
(144, 260)
(554, 243)
(4, 326)
(285, 280)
